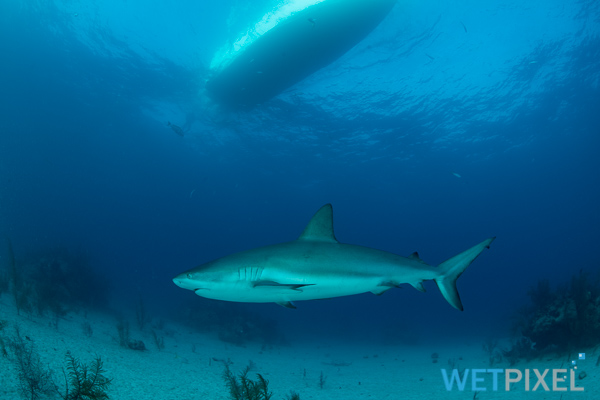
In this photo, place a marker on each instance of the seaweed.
(53, 281)
(66, 280)
(50, 293)
(243, 388)
(86, 328)
(561, 320)
(141, 315)
(15, 277)
(522, 348)
(20, 290)
(3, 350)
(158, 340)
(123, 331)
(453, 364)
(83, 382)
(490, 346)
(541, 295)
(322, 380)
(4, 279)
(35, 380)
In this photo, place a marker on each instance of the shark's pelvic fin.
(451, 269)
(320, 227)
(419, 286)
(287, 304)
(384, 287)
(379, 290)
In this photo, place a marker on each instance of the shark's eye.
(190, 276)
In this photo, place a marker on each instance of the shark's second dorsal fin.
(320, 227)
(415, 256)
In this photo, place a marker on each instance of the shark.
(318, 266)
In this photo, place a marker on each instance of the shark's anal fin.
(292, 286)
(320, 227)
(419, 286)
(287, 304)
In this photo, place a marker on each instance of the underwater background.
(450, 123)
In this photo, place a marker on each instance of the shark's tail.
(451, 269)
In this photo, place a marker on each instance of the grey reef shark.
(317, 266)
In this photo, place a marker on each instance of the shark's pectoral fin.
(384, 287)
(292, 286)
(287, 304)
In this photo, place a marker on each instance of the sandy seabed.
(186, 367)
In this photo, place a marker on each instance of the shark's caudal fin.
(451, 269)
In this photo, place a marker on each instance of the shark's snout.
(183, 282)
(178, 282)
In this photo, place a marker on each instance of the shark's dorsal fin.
(415, 256)
(320, 227)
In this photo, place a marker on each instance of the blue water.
(450, 123)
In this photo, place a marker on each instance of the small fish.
(312, 21)
(176, 129)
(430, 57)
(456, 175)
(337, 363)
(463, 25)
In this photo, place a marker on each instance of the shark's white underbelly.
(245, 291)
